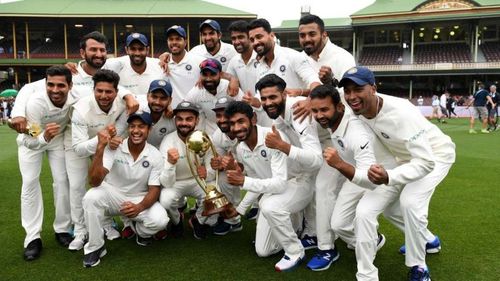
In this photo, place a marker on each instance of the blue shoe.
(252, 214)
(323, 259)
(224, 228)
(309, 242)
(433, 247)
(419, 274)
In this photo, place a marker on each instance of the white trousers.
(232, 193)
(328, 185)
(275, 230)
(30, 165)
(172, 198)
(100, 203)
(414, 209)
(78, 168)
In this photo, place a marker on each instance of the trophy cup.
(197, 144)
(32, 129)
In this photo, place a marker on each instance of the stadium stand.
(442, 53)
(382, 55)
(491, 51)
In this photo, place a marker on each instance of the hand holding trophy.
(197, 144)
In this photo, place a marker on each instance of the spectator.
(493, 109)
(442, 104)
(420, 101)
(451, 103)
(479, 101)
(436, 109)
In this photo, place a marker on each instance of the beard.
(94, 62)
(211, 85)
(280, 108)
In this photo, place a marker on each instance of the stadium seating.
(491, 51)
(442, 53)
(381, 55)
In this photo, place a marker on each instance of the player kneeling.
(125, 181)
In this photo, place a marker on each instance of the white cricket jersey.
(26, 92)
(222, 143)
(88, 119)
(442, 100)
(265, 168)
(160, 129)
(337, 58)
(415, 142)
(206, 101)
(224, 55)
(245, 72)
(41, 111)
(129, 176)
(291, 66)
(180, 171)
(183, 76)
(305, 149)
(137, 83)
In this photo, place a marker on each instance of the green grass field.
(464, 213)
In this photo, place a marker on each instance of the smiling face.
(185, 122)
(94, 54)
(105, 94)
(361, 99)
(273, 101)
(262, 41)
(325, 112)
(311, 38)
(57, 89)
(176, 43)
(158, 102)
(210, 80)
(137, 53)
(241, 126)
(240, 41)
(138, 131)
(210, 38)
(222, 121)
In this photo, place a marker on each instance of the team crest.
(185, 104)
(263, 153)
(341, 143)
(163, 130)
(255, 64)
(136, 35)
(222, 100)
(188, 67)
(162, 83)
(282, 68)
(352, 70)
(145, 164)
(384, 135)
(223, 59)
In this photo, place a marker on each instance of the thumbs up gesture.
(274, 141)
(235, 175)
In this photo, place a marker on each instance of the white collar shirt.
(183, 76)
(245, 72)
(137, 83)
(224, 55)
(337, 58)
(222, 143)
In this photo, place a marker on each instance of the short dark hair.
(105, 75)
(96, 35)
(271, 80)
(323, 91)
(238, 26)
(238, 107)
(256, 23)
(59, 70)
(307, 19)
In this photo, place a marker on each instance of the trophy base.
(215, 202)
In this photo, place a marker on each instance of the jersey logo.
(223, 59)
(163, 130)
(282, 68)
(263, 153)
(363, 146)
(384, 135)
(341, 143)
(255, 64)
(188, 67)
(145, 164)
(162, 82)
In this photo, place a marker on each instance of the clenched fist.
(377, 174)
(51, 130)
(172, 156)
(332, 157)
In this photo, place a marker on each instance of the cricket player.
(424, 153)
(50, 112)
(176, 177)
(213, 47)
(266, 171)
(213, 88)
(92, 114)
(124, 181)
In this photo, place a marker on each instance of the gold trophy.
(32, 129)
(197, 144)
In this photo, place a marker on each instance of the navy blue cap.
(139, 37)
(162, 85)
(360, 75)
(143, 116)
(213, 24)
(187, 106)
(177, 29)
(222, 103)
(211, 64)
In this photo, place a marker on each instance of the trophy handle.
(201, 182)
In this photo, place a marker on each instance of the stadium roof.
(329, 23)
(118, 8)
(395, 11)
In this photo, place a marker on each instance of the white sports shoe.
(111, 233)
(77, 243)
(287, 263)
